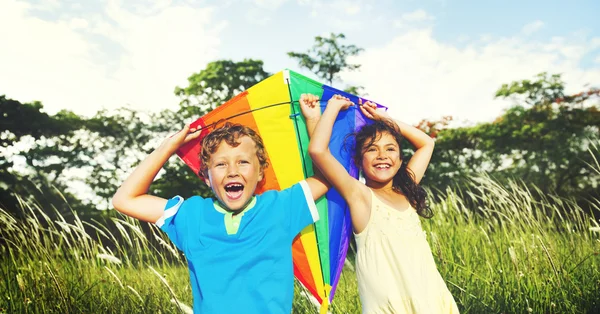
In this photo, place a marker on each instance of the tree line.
(548, 139)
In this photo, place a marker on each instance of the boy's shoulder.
(190, 202)
(278, 194)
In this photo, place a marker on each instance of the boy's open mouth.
(234, 190)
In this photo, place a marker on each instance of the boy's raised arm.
(131, 198)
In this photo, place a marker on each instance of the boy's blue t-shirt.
(250, 271)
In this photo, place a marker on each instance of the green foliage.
(355, 90)
(27, 121)
(534, 253)
(327, 58)
(218, 82)
(543, 91)
(543, 142)
(106, 147)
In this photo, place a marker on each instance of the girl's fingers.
(371, 110)
(365, 112)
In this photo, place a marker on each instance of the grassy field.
(499, 249)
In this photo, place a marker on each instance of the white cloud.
(57, 62)
(463, 38)
(417, 16)
(412, 18)
(258, 16)
(261, 11)
(331, 9)
(269, 4)
(352, 9)
(597, 60)
(340, 15)
(46, 5)
(78, 23)
(419, 77)
(532, 27)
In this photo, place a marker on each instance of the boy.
(238, 246)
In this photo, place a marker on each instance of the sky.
(423, 59)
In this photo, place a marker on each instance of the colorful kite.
(271, 108)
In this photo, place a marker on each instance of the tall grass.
(501, 249)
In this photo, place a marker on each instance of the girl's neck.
(380, 187)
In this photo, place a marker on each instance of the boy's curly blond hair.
(230, 133)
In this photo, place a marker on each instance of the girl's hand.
(369, 109)
(310, 107)
(341, 101)
(182, 137)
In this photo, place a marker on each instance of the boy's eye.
(219, 164)
(244, 162)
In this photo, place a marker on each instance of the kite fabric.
(272, 109)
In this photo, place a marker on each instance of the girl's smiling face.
(381, 159)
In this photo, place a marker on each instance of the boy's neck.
(235, 212)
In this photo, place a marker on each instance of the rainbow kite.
(271, 108)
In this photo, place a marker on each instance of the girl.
(394, 265)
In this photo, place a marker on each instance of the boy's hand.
(310, 106)
(341, 101)
(369, 109)
(180, 138)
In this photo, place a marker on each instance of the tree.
(327, 58)
(26, 122)
(542, 140)
(217, 83)
(548, 137)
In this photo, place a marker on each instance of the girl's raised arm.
(355, 193)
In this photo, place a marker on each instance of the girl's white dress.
(395, 267)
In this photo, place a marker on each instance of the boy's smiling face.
(234, 173)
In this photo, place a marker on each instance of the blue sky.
(423, 59)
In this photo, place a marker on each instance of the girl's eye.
(372, 149)
(220, 164)
(244, 162)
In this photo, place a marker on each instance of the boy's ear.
(207, 181)
(261, 175)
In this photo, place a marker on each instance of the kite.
(272, 109)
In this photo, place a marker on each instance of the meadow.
(500, 248)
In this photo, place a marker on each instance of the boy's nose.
(233, 171)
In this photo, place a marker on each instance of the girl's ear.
(261, 175)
